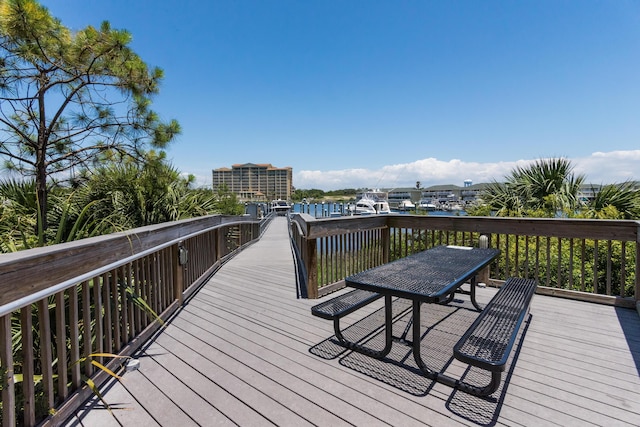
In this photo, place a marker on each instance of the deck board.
(245, 351)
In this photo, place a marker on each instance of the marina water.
(331, 209)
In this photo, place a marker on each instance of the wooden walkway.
(245, 351)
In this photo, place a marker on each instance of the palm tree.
(615, 201)
(548, 185)
(503, 199)
(116, 196)
(132, 195)
(544, 188)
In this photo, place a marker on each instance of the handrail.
(110, 250)
(101, 295)
(52, 290)
(595, 260)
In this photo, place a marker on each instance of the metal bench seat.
(338, 307)
(344, 304)
(489, 340)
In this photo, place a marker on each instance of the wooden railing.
(596, 260)
(60, 305)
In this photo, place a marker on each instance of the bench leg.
(439, 376)
(388, 331)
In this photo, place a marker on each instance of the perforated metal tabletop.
(427, 276)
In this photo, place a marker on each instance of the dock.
(245, 350)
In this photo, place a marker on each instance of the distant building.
(440, 194)
(255, 182)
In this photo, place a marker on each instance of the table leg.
(474, 282)
(417, 335)
(388, 334)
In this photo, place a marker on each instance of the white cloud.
(610, 167)
(600, 167)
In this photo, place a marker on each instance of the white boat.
(453, 207)
(280, 207)
(427, 205)
(406, 205)
(371, 203)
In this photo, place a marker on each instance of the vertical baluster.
(332, 259)
(116, 300)
(358, 250)
(124, 305)
(131, 324)
(86, 328)
(145, 292)
(342, 254)
(74, 336)
(538, 258)
(559, 267)
(8, 385)
(154, 283)
(160, 269)
(526, 256)
(548, 263)
(366, 248)
(354, 253)
(28, 383)
(107, 301)
(571, 255)
(138, 290)
(609, 256)
(98, 285)
(583, 270)
(623, 269)
(516, 266)
(595, 267)
(167, 265)
(507, 260)
(46, 357)
(61, 345)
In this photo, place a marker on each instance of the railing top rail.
(321, 227)
(623, 230)
(49, 270)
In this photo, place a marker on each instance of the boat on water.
(427, 205)
(406, 205)
(452, 207)
(371, 203)
(280, 207)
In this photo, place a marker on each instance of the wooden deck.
(245, 351)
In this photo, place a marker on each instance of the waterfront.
(335, 209)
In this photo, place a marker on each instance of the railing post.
(312, 268)
(386, 243)
(483, 275)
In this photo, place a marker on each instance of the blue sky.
(387, 93)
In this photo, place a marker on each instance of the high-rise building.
(255, 182)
